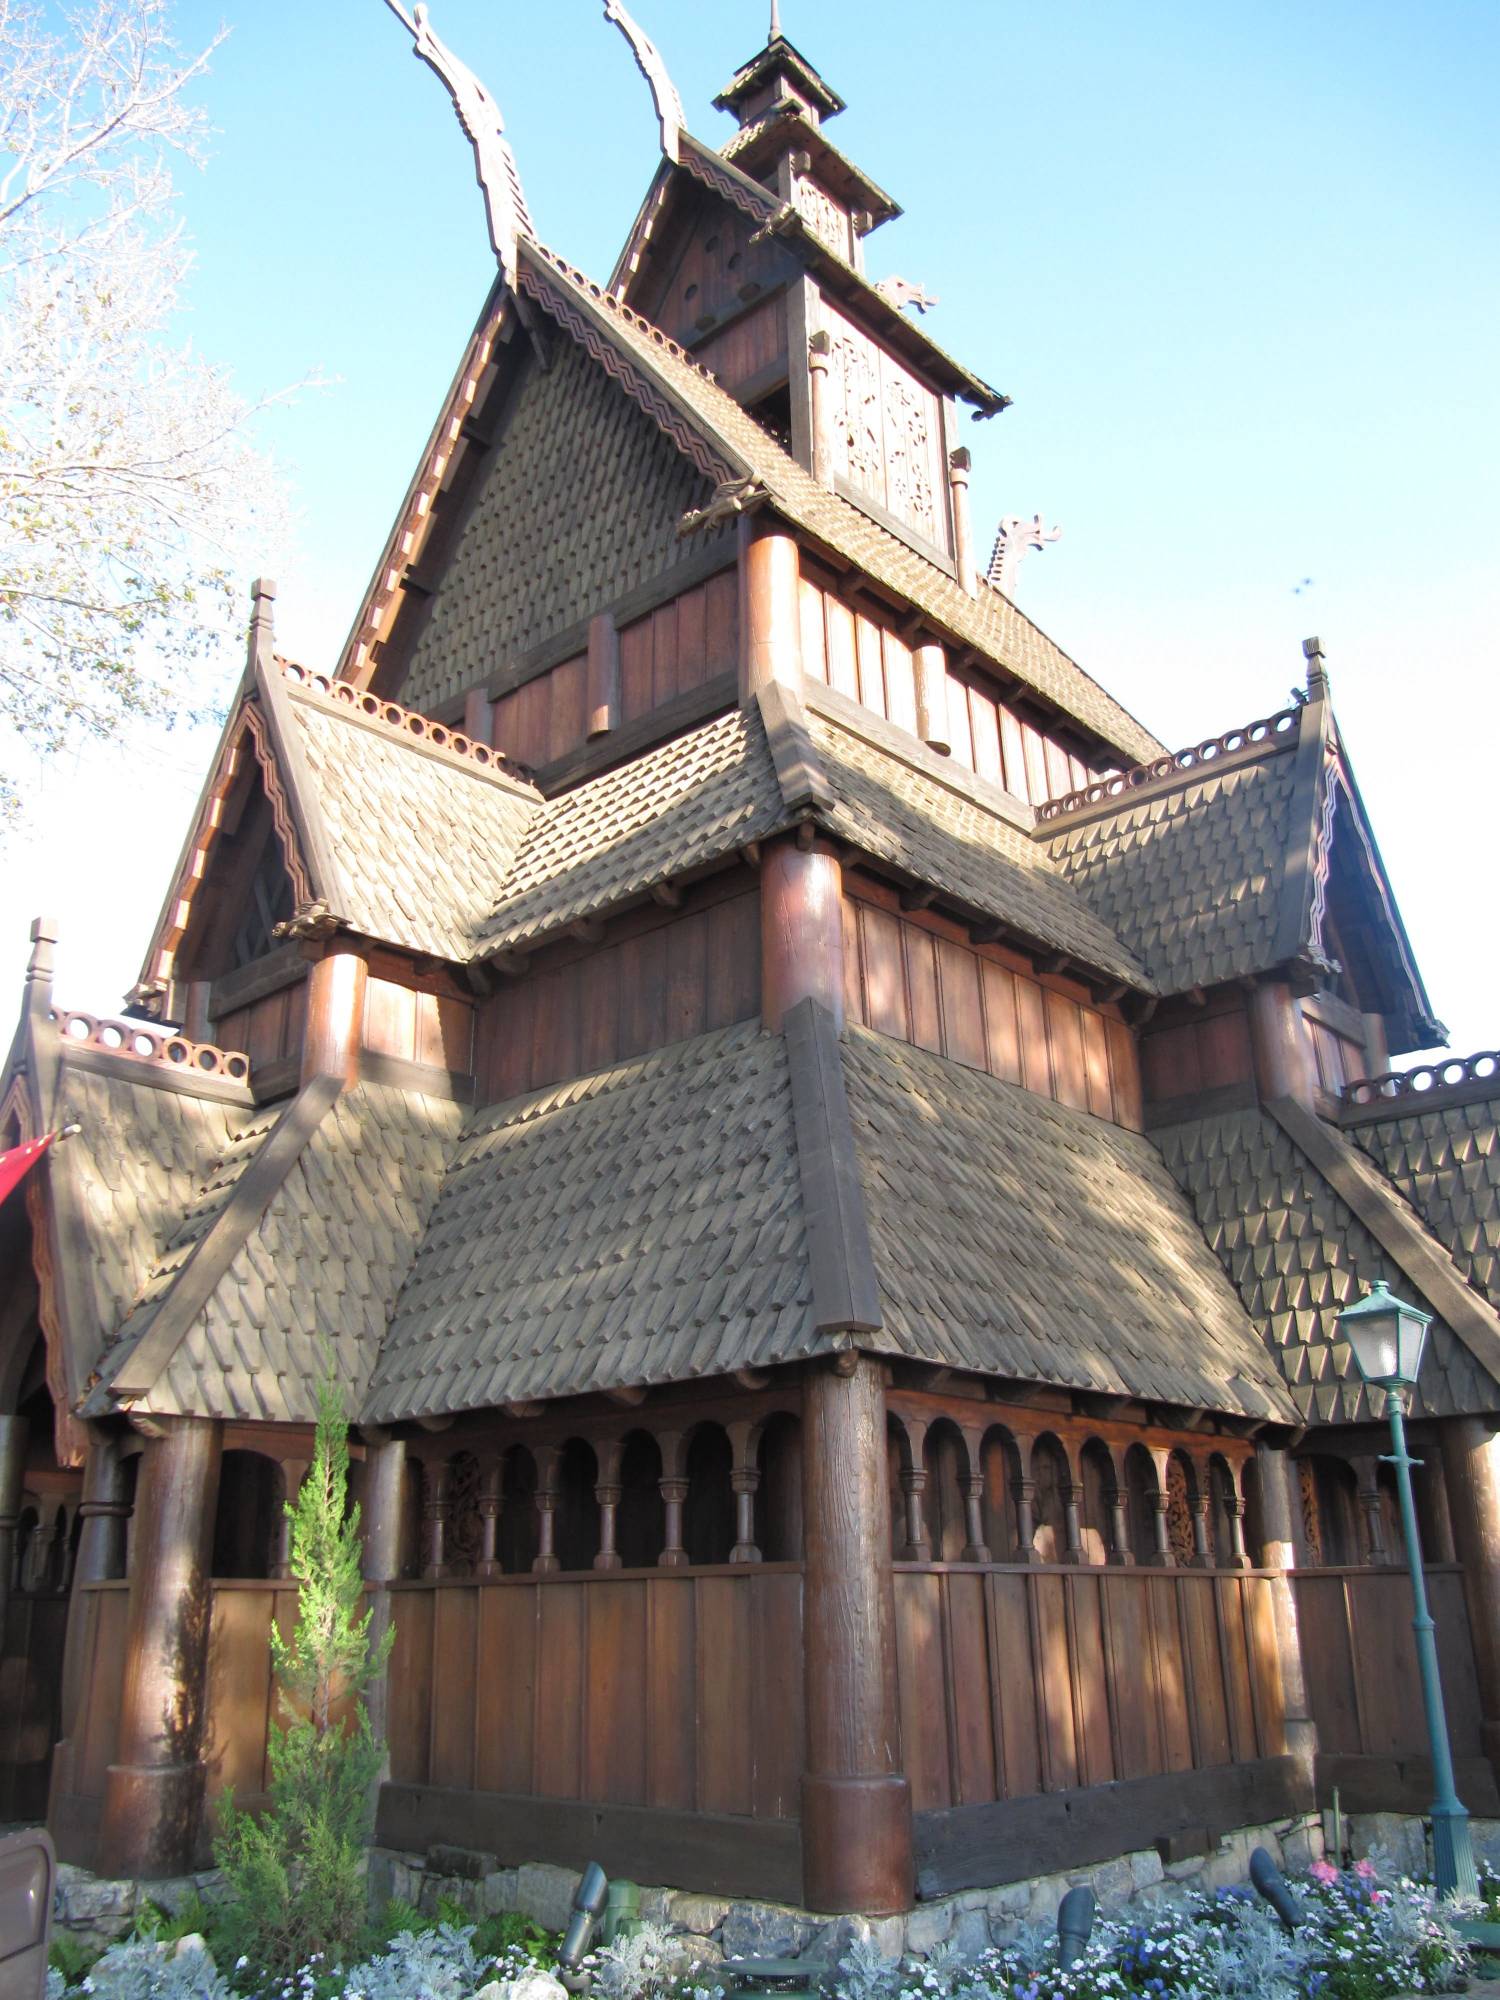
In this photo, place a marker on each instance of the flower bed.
(1365, 1935)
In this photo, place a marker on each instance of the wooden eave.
(757, 146)
(779, 54)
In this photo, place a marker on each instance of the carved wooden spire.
(494, 163)
(669, 113)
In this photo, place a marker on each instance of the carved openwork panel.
(886, 431)
(823, 216)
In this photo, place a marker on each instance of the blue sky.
(1237, 267)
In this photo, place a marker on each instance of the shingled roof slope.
(1189, 877)
(640, 1225)
(989, 622)
(1019, 1238)
(1298, 1255)
(133, 1170)
(422, 840)
(318, 1273)
(1445, 1159)
(893, 810)
(689, 802)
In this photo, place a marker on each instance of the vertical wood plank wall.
(921, 981)
(1017, 1680)
(660, 985)
(431, 1028)
(680, 1690)
(1205, 1052)
(267, 1029)
(866, 659)
(678, 647)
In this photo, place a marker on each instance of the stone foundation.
(722, 1927)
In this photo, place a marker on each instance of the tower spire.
(775, 22)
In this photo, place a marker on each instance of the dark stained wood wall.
(1023, 1680)
(664, 980)
(267, 1029)
(708, 269)
(751, 350)
(919, 979)
(861, 654)
(680, 646)
(1190, 1050)
(627, 1688)
(432, 1028)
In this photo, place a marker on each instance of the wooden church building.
(824, 1156)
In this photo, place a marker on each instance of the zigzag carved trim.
(69, 1436)
(731, 186)
(637, 385)
(206, 832)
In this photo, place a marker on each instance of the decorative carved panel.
(886, 430)
(823, 215)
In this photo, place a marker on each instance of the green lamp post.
(1386, 1337)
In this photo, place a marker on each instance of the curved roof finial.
(669, 112)
(494, 163)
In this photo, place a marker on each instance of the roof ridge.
(1279, 730)
(410, 726)
(139, 1042)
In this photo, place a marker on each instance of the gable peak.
(778, 76)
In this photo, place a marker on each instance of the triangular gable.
(245, 827)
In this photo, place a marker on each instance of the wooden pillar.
(1471, 1474)
(335, 1016)
(1278, 1038)
(770, 608)
(801, 930)
(153, 1794)
(1203, 1555)
(103, 1512)
(1161, 1553)
(380, 1522)
(603, 675)
(1025, 1490)
(1368, 1488)
(819, 348)
(13, 1436)
(960, 461)
(673, 1488)
(930, 668)
(917, 1547)
(491, 1506)
(546, 1559)
(1119, 1554)
(1237, 1557)
(435, 1512)
(1278, 1553)
(744, 1481)
(293, 1472)
(1072, 1526)
(479, 717)
(1377, 1048)
(608, 1493)
(976, 1549)
(856, 1804)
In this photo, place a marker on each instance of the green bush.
(294, 1876)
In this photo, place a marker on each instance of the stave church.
(825, 1156)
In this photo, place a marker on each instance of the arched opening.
(577, 1527)
(1098, 1477)
(1221, 1508)
(248, 1514)
(1140, 1502)
(517, 1538)
(1329, 1529)
(1053, 1482)
(708, 1518)
(1000, 1468)
(641, 1525)
(897, 1459)
(778, 1498)
(1182, 1494)
(945, 1461)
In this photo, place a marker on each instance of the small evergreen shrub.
(294, 1877)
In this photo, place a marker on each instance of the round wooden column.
(856, 1803)
(1471, 1473)
(13, 1432)
(1279, 1041)
(335, 1016)
(1278, 1552)
(104, 1512)
(380, 1524)
(153, 1794)
(801, 930)
(770, 608)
